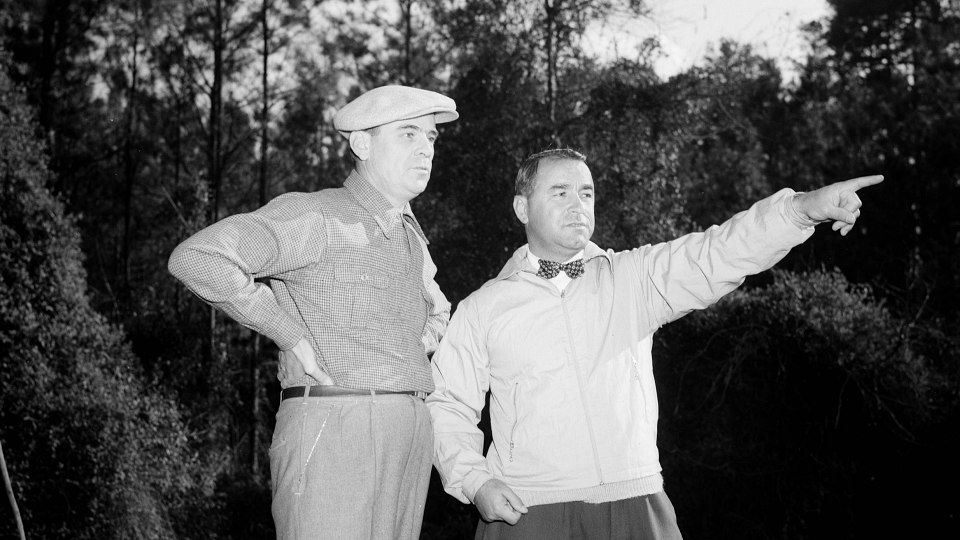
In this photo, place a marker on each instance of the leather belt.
(331, 390)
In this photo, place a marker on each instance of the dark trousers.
(650, 517)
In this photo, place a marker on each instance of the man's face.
(400, 158)
(558, 213)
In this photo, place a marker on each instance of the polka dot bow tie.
(550, 269)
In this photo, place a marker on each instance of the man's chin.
(582, 240)
(577, 245)
(419, 178)
(418, 188)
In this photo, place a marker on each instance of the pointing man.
(562, 341)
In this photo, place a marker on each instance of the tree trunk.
(51, 27)
(552, 8)
(129, 165)
(264, 148)
(48, 64)
(214, 137)
(265, 105)
(406, 8)
(214, 142)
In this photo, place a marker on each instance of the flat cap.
(391, 103)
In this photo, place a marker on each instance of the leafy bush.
(795, 410)
(93, 452)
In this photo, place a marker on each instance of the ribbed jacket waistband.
(615, 491)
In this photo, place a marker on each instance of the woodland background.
(821, 400)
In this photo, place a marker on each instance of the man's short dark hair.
(529, 167)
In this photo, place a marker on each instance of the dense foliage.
(94, 450)
(801, 406)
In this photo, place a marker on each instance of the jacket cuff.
(473, 481)
(794, 216)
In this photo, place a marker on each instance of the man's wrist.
(473, 481)
(287, 336)
(798, 218)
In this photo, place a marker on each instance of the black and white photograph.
(479, 269)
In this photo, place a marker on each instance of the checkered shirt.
(340, 267)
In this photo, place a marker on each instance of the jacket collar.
(377, 206)
(519, 262)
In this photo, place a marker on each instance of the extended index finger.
(864, 181)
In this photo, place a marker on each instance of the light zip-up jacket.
(573, 404)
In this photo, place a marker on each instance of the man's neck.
(379, 184)
(555, 257)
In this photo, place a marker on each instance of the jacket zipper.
(516, 420)
(583, 397)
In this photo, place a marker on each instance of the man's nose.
(426, 148)
(577, 204)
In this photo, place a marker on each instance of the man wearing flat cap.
(352, 304)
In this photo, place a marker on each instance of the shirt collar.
(524, 261)
(378, 207)
(535, 261)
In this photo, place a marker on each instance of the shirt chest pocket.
(361, 296)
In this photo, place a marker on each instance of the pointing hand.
(837, 202)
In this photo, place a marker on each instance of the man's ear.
(360, 144)
(520, 208)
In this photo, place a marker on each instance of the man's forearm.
(226, 287)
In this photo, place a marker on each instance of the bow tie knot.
(550, 269)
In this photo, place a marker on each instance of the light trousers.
(350, 467)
